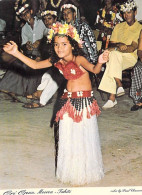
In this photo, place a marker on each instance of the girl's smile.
(63, 48)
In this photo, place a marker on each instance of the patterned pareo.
(86, 34)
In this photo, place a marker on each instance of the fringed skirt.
(79, 159)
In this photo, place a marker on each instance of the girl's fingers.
(8, 44)
(12, 42)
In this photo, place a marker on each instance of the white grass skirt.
(79, 153)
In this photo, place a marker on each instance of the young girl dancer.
(79, 159)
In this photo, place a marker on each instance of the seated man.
(32, 32)
(25, 82)
(123, 55)
(136, 86)
(52, 79)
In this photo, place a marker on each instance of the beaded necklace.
(57, 5)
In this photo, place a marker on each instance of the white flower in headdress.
(68, 6)
(46, 12)
(127, 6)
(22, 9)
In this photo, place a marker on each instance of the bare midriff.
(81, 84)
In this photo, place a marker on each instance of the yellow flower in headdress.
(51, 34)
(76, 36)
(64, 29)
(128, 5)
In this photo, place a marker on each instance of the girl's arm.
(12, 48)
(103, 58)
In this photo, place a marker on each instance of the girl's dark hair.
(77, 51)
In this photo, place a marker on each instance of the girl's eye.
(64, 44)
(55, 44)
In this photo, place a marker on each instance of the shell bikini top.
(71, 70)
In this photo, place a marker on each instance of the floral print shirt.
(88, 37)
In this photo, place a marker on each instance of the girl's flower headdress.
(22, 8)
(46, 12)
(128, 5)
(68, 6)
(64, 29)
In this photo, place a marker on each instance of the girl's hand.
(10, 48)
(104, 57)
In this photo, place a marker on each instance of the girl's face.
(63, 47)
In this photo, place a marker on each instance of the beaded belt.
(77, 94)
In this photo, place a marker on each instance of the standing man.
(123, 55)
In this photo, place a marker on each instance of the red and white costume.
(79, 159)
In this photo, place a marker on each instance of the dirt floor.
(27, 145)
